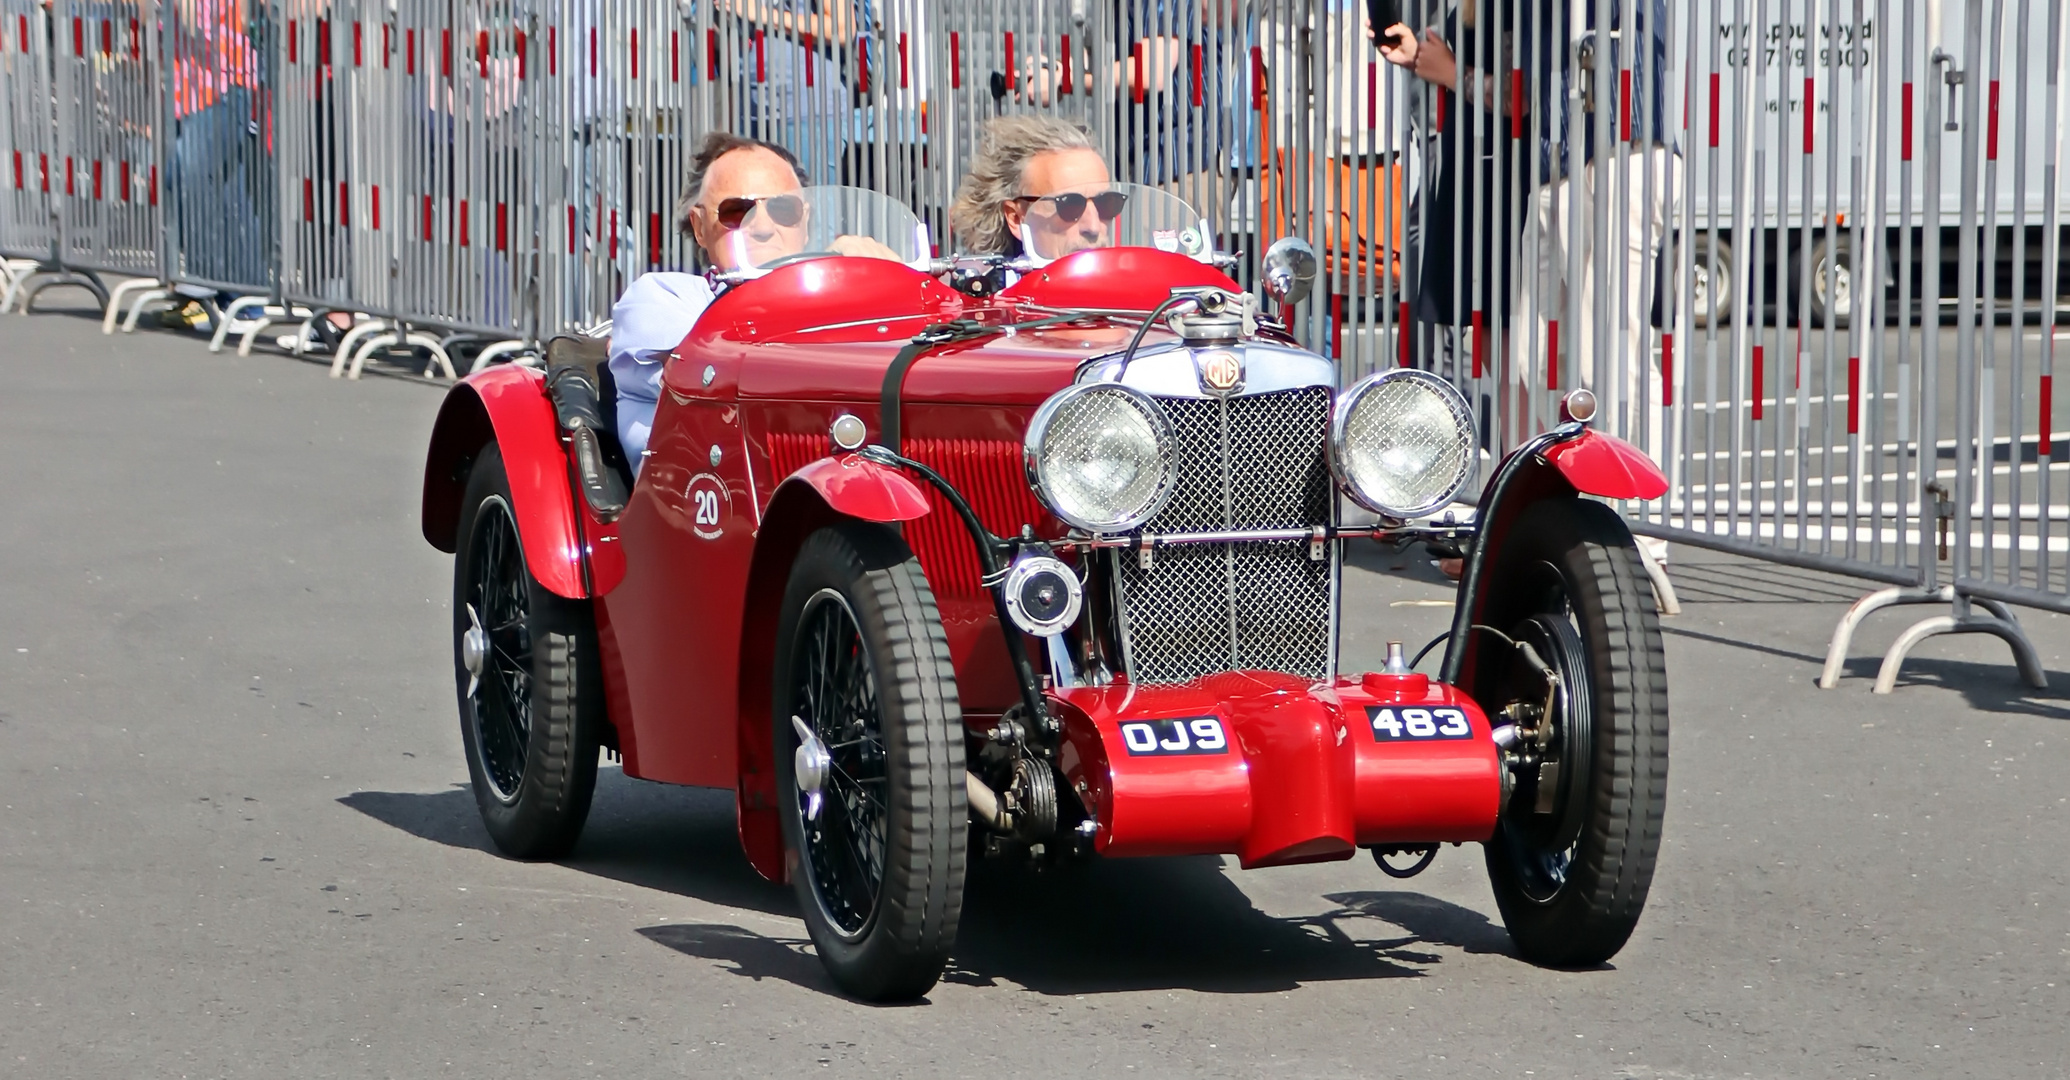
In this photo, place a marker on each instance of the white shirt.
(654, 315)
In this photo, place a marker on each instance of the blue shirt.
(654, 315)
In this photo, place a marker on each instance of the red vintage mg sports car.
(925, 569)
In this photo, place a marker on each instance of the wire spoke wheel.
(868, 744)
(500, 705)
(837, 698)
(529, 686)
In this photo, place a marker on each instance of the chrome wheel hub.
(810, 765)
(474, 647)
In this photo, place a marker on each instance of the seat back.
(589, 356)
(587, 353)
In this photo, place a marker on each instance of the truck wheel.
(1832, 301)
(1571, 863)
(869, 762)
(525, 665)
(1711, 282)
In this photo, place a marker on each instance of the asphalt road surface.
(236, 839)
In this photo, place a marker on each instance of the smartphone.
(1381, 14)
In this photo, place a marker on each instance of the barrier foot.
(115, 299)
(37, 282)
(2028, 661)
(494, 352)
(13, 270)
(343, 355)
(230, 315)
(1843, 632)
(1664, 597)
(439, 357)
(136, 307)
(266, 319)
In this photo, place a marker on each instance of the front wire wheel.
(869, 759)
(1572, 860)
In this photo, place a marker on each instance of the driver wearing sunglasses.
(1038, 188)
(744, 206)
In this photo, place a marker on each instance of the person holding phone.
(1572, 179)
(1473, 183)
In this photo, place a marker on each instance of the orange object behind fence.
(1357, 228)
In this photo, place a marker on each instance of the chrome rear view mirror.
(1289, 270)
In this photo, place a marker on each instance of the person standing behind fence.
(220, 182)
(1472, 227)
(1171, 139)
(1560, 273)
(779, 103)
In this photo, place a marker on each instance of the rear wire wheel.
(869, 762)
(526, 672)
(1571, 865)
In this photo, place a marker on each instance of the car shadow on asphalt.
(1140, 924)
(657, 836)
(1985, 687)
(1103, 926)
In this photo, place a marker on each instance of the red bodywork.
(1607, 466)
(688, 580)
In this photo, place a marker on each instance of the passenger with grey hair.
(1036, 188)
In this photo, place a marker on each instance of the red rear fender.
(507, 405)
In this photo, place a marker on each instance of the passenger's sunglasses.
(785, 210)
(1070, 206)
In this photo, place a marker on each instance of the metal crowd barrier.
(1806, 252)
(1871, 191)
(28, 215)
(109, 112)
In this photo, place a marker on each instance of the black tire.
(1832, 304)
(862, 660)
(531, 720)
(1571, 881)
(1713, 292)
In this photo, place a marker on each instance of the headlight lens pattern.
(1403, 443)
(1100, 456)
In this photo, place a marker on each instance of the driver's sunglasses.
(785, 210)
(1070, 206)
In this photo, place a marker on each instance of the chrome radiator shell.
(1249, 461)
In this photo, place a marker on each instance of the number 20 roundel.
(708, 497)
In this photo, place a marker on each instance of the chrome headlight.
(1099, 455)
(1402, 443)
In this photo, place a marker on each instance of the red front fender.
(863, 489)
(507, 405)
(1607, 466)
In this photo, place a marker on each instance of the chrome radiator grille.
(1243, 463)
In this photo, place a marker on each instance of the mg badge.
(1220, 371)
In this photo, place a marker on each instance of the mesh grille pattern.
(1246, 463)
